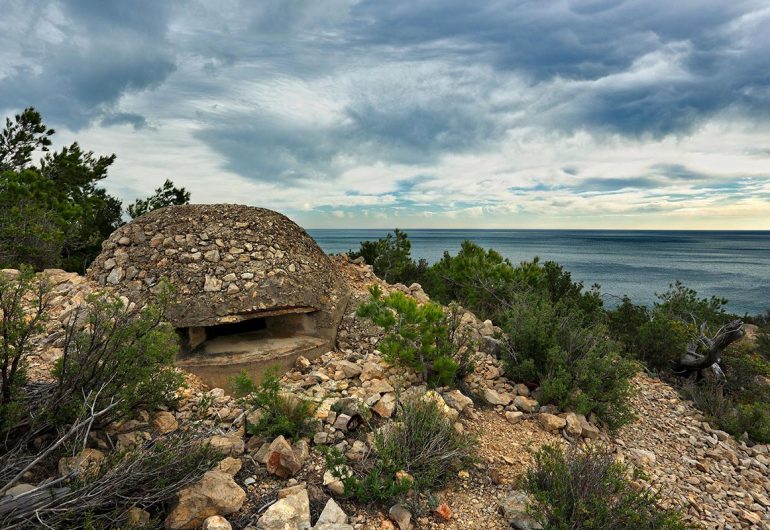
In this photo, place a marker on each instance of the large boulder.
(215, 494)
(282, 460)
(290, 513)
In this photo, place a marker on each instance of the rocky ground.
(281, 484)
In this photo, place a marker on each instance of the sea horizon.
(640, 263)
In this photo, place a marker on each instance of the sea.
(639, 263)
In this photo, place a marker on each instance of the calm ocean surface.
(735, 265)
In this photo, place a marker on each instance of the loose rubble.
(283, 484)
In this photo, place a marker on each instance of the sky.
(650, 114)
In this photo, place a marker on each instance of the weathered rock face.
(230, 264)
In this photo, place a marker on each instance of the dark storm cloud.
(719, 49)
(77, 58)
(137, 121)
(633, 67)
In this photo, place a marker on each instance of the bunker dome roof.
(228, 263)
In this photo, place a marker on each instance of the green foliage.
(662, 340)
(122, 354)
(659, 336)
(754, 420)
(478, 279)
(31, 232)
(421, 442)
(420, 337)
(280, 414)
(21, 137)
(485, 282)
(54, 214)
(571, 358)
(166, 195)
(682, 303)
(23, 307)
(72, 215)
(585, 489)
(391, 258)
(148, 476)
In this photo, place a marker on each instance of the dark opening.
(221, 330)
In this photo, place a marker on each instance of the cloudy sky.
(451, 113)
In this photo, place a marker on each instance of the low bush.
(750, 418)
(754, 420)
(148, 477)
(571, 358)
(585, 489)
(485, 282)
(421, 442)
(120, 353)
(280, 414)
(710, 398)
(656, 337)
(391, 258)
(23, 311)
(421, 337)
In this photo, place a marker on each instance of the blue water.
(734, 265)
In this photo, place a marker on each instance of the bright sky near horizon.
(442, 113)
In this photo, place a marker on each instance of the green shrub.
(148, 476)
(662, 341)
(585, 489)
(476, 278)
(485, 282)
(763, 345)
(23, 311)
(118, 353)
(574, 362)
(710, 398)
(420, 337)
(746, 371)
(754, 420)
(421, 442)
(280, 414)
(682, 303)
(391, 258)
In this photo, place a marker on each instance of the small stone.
(281, 459)
(514, 417)
(164, 422)
(495, 398)
(443, 512)
(85, 464)
(385, 406)
(230, 445)
(211, 255)
(342, 422)
(332, 514)
(230, 465)
(526, 404)
(212, 284)
(216, 522)
(588, 430)
(291, 512)
(348, 368)
(551, 422)
(215, 494)
(401, 516)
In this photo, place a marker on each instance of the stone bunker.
(252, 289)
